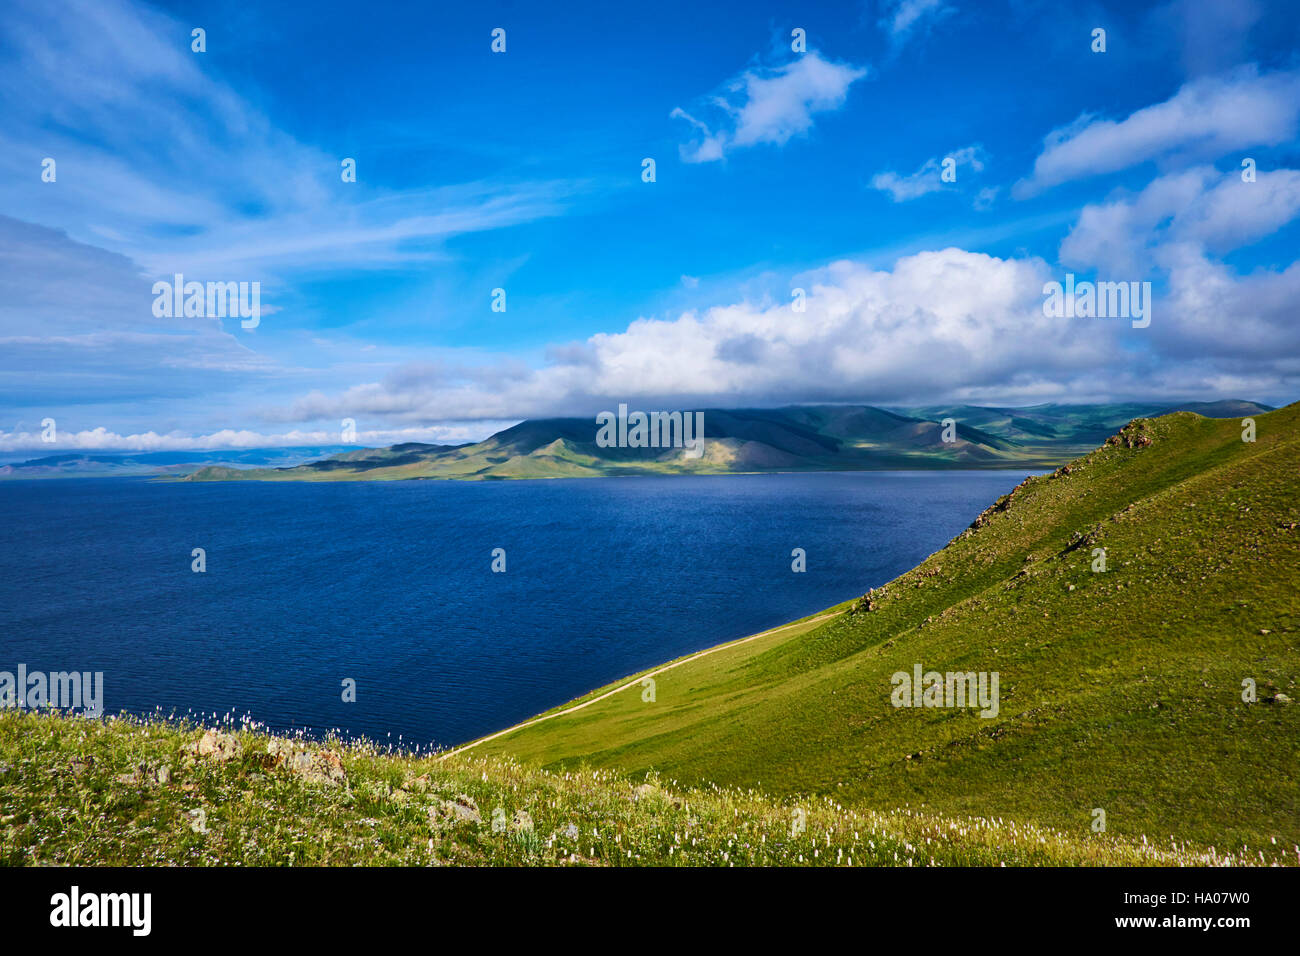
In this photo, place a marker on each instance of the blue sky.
(775, 169)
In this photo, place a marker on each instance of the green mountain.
(795, 438)
(1128, 602)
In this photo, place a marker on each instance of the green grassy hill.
(1119, 689)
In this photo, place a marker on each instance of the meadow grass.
(75, 791)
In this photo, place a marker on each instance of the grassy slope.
(59, 808)
(1123, 693)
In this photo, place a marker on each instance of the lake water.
(390, 583)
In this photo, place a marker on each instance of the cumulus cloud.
(939, 323)
(1178, 229)
(1247, 321)
(1211, 211)
(928, 178)
(768, 106)
(1206, 117)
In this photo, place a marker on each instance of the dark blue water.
(390, 583)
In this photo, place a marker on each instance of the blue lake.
(391, 584)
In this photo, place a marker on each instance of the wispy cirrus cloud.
(768, 106)
(212, 185)
(904, 18)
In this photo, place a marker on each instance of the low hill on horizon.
(792, 438)
(91, 464)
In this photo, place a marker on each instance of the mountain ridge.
(745, 440)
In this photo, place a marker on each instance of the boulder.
(321, 767)
(218, 746)
(453, 812)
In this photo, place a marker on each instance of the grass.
(1120, 690)
(59, 808)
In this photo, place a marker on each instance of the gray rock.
(321, 767)
(219, 747)
(453, 812)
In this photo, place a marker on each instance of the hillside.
(796, 438)
(1119, 689)
(121, 792)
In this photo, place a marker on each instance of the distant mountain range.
(160, 463)
(794, 438)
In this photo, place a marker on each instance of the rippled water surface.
(390, 583)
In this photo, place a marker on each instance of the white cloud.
(940, 323)
(943, 325)
(1200, 207)
(1206, 118)
(906, 16)
(104, 440)
(927, 179)
(1247, 322)
(1173, 230)
(77, 322)
(985, 198)
(769, 106)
